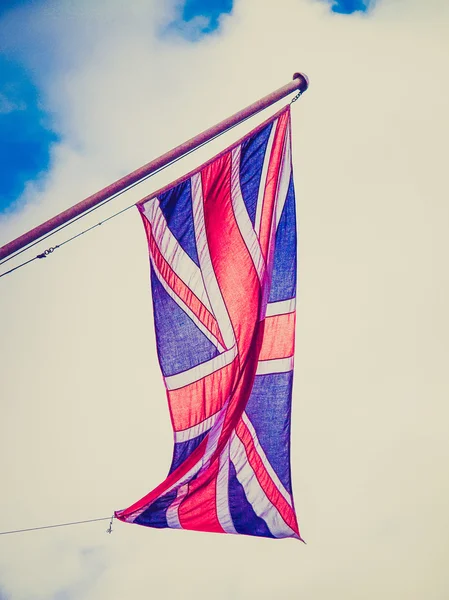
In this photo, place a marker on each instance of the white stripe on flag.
(283, 307)
(193, 432)
(264, 459)
(173, 510)
(214, 435)
(254, 492)
(242, 217)
(210, 336)
(174, 382)
(210, 281)
(178, 259)
(263, 177)
(276, 365)
(279, 202)
(284, 176)
(223, 510)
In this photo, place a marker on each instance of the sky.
(28, 134)
(89, 91)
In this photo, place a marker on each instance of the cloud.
(84, 426)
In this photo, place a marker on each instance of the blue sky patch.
(7, 5)
(204, 14)
(25, 138)
(347, 7)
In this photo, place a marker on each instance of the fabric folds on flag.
(222, 246)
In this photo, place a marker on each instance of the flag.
(222, 247)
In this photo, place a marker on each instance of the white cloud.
(85, 429)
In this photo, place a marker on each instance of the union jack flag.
(222, 246)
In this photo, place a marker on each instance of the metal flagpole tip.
(304, 81)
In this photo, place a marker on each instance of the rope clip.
(109, 529)
(45, 253)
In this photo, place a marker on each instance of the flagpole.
(299, 82)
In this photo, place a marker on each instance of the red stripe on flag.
(231, 260)
(129, 514)
(237, 279)
(271, 185)
(198, 510)
(179, 287)
(197, 401)
(278, 337)
(264, 478)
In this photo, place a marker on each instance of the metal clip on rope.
(45, 253)
(109, 529)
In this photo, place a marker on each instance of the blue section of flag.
(243, 516)
(180, 344)
(283, 282)
(269, 408)
(251, 164)
(176, 205)
(184, 449)
(156, 514)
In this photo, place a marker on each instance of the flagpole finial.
(304, 81)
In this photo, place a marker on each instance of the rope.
(113, 197)
(18, 266)
(50, 250)
(109, 530)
